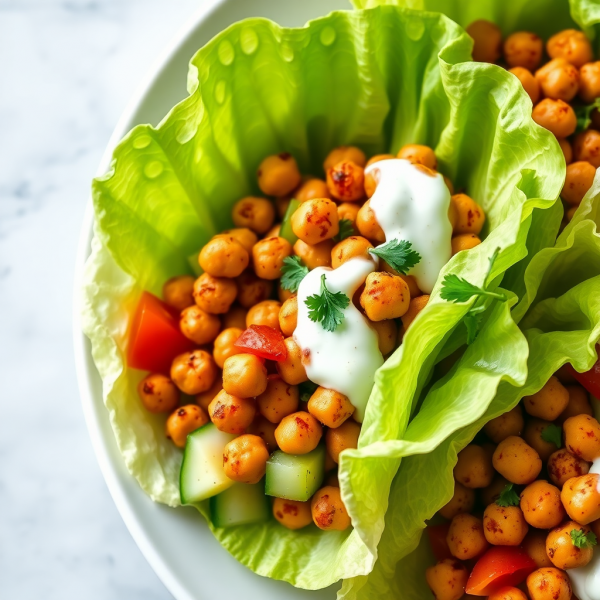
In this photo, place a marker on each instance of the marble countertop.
(68, 68)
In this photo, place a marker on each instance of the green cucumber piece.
(286, 230)
(202, 474)
(295, 476)
(241, 504)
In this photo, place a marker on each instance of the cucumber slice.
(295, 476)
(285, 230)
(241, 504)
(202, 474)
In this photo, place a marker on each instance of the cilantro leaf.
(398, 254)
(346, 230)
(472, 322)
(326, 307)
(508, 496)
(293, 272)
(584, 115)
(552, 434)
(307, 389)
(581, 539)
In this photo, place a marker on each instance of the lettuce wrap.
(377, 79)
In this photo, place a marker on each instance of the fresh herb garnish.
(552, 434)
(326, 308)
(472, 322)
(583, 540)
(508, 496)
(584, 115)
(307, 389)
(398, 254)
(346, 230)
(293, 272)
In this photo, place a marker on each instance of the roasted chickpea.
(487, 40)
(387, 332)
(473, 468)
(264, 429)
(579, 179)
(223, 256)
(535, 545)
(562, 466)
(462, 501)
(419, 155)
(183, 421)
(523, 49)
(414, 308)
(377, 158)
(244, 375)
(230, 413)
(581, 498)
(582, 437)
(533, 436)
(571, 45)
(268, 256)
(367, 224)
(579, 403)
(246, 237)
(349, 211)
(252, 290)
(491, 493)
(504, 525)
(447, 579)
(464, 241)
(508, 593)
(341, 438)
(194, 372)
(291, 513)
(214, 295)
(517, 461)
(465, 537)
(587, 147)
(264, 313)
(273, 232)
(589, 82)
(316, 220)
(541, 505)
(469, 215)
(312, 188)
(558, 79)
(352, 247)
(510, 423)
(385, 296)
(288, 316)
(330, 407)
(198, 325)
(561, 550)
(236, 317)
(528, 81)
(345, 153)
(314, 255)
(224, 345)
(328, 510)
(556, 116)
(284, 294)
(279, 400)
(278, 175)
(203, 399)
(298, 433)
(291, 369)
(549, 402)
(158, 393)
(178, 291)
(245, 458)
(567, 150)
(346, 181)
(256, 214)
(549, 583)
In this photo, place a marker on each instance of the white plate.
(176, 542)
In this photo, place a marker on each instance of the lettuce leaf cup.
(377, 79)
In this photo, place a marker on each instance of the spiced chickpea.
(447, 579)
(523, 49)
(298, 433)
(549, 583)
(252, 290)
(351, 247)
(562, 466)
(330, 407)
(377, 158)
(349, 211)
(504, 525)
(178, 291)
(264, 429)
(462, 501)
(341, 438)
(507, 593)
(158, 393)
(328, 510)
(516, 460)
(419, 155)
(385, 296)
(367, 224)
(214, 295)
(236, 317)
(346, 181)
(387, 333)
(549, 402)
(194, 372)
(533, 436)
(579, 179)
(535, 546)
(278, 175)
(244, 375)
(528, 81)
(223, 256)
(342, 153)
(510, 423)
(571, 45)
(487, 40)
(231, 414)
(198, 325)
(414, 308)
(284, 294)
(245, 236)
(541, 505)
(264, 313)
(561, 550)
(556, 116)
(492, 492)
(312, 188)
(581, 498)
(288, 316)
(567, 150)
(314, 255)
(558, 79)
(582, 437)
(464, 241)
(274, 231)
(316, 220)
(291, 369)
(465, 537)
(279, 400)
(245, 458)
(224, 345)
(579, 403)
(589, 82)
(586, 146)
(469, 215)
(291, 513)
(183, 421)
(268, 255)
(203, 399)
(473, 468)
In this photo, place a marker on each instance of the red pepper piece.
(262, 341)
(590, 380)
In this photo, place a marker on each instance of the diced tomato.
(591, 379)
(499, 566)
(437, 538)
(155, 338)
(262, 341)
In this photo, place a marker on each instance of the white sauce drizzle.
(411, 205)
(344, 360)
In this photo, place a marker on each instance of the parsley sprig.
(346, 230)
(307, 389)
(326, 307)
(398, 254)
(293, 272)
(552, 434)
(581, 539)
(508, 496)
(584, 115)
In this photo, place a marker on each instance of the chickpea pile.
(271, 404)
(518, 487)
(568, 80)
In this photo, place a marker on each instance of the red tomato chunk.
(262, 341)
(591, 379)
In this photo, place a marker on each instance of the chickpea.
(310, 189)
(291, 513)
(523, 49)
(367, 224)
(589, 82)
(510, 423)
(244, 375)
(278, 174)
(298, 433)
(223, 256)
(282, 204)
(414, 308)
(508, 593)
(279, 400)
(291, 369)
(252, 290)
(178, 292)
(556, 116)
(328, 510)
(314, 255)
(504, 525)
(462, 501)
(549, 583)
(236, 317)
(385, 296)
(562, 466)
(571, 45)
(567, 150)
(256, 214)
(570, 213)
(558, 79)
(203, 399)
(194, 372)
(316, 220)
(198, 325)
(579, 403)
(341, 438)
(549, 402)
(535, 545)
(581, 498)
(582, 437)
(474, 467)
(349, 211)
(517, 461)
(487, 40)
(230, 413)
(541, 505)
(273, 232)
(447, 579)
(533, 436)
(586, 147)
(246, 237)
(465, 537)
(387, 332)
(346, 181)
(183, 421)
(419, 155)
(265, 430)
(345, 153)
(158, 393)
(245, 458)
(224, 345)
(470, 216)
(561, 550)
(214, 295)
(268, 256)
(528, 81)
(264, 313)
(351, 247)
(491, 493)
(377, 158)
(288, 316)
(465, 241)
(579, 179)
(330, 407)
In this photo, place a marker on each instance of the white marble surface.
(67, 69)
